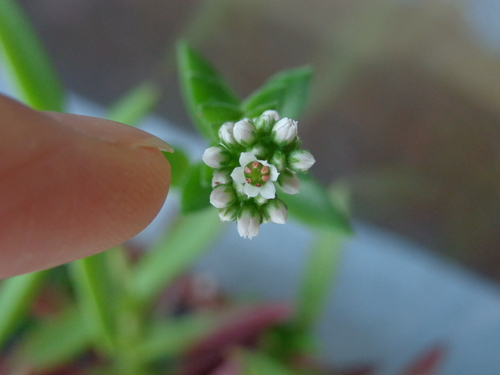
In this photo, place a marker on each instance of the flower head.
(284, 131)
(215, 157)
(300, 160)
(257, 176)
(222, 196)
(248, 222)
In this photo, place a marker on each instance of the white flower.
(222, 196)
(256, 176)
(226, 134)
(248, 223)
(244, 132)
(289, 182)
(215, 157)
(221, 177)
(272, 114)
(277, 211)
(300, 160)
(284, 131)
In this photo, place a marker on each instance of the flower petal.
(268, 190)
(246, 157)
(238, 175)
(251, 191)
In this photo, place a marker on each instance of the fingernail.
(109, 131)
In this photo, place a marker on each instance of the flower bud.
(222, 196)
(277, 211)
(279, 161)
(284, 131)
(215, 157)
(244, 132)
(300, 160)
(289, 182)
(272, 114)
(264, 123)
(226, 134)
(221, 177)
(229, 213)
(249, 220)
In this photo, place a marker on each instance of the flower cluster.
(253, 157)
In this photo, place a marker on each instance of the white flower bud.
(228, 214)
(300, 160)
(221, 177)
(279, 160)
(226, 134)
(222, 196)
(215, 157)
(277, 211)
(244, 132)
(284, 131)
(248, 222)
(289, 182)
(272, 114)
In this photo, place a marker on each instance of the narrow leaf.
(179, 164)
(316, 282)
(16, 295)
(96, 295)
(287, 91)
(196, 192)
(201, 86)
(135, 104)
(314, 207)
(191, 235)
(169, 338)
(27, 61)
(54, 342)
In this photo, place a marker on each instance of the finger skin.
(69, 190)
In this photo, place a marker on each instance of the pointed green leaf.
(320, 270)
(27, 61)
(16, 295)
(54, 342)
(135, 104)
(97, 296)
(196, 192)
(202, 86)
(183, 244)
(285, 92)
(314, 207)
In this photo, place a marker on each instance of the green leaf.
(16, 295)
(285, 92)
(97, 296)
(35, 77)
(170, 338)
(54, 342)
(190, 236)
(202, 86)
(254, 363)
(135, 105)
(321, 268)
(314, 207)
(179, 163)
(196, 191)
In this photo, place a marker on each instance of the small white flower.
(222, 196)
(221, 177)
(289, 182)
(272, 114)
(226, 134)
(284, 131)
(256, 176)
(248, 223)
(215, 157)
(244, 132)
(277, 211)
(300, 160)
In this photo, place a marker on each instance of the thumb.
(72, 186)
